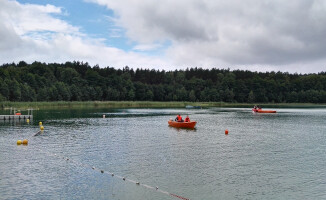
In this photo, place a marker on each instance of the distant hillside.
(77, 81)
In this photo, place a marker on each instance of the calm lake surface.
(264, 156)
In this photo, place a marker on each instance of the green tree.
(14, 91)
(182, 94)
(228, 95)
(63, 91)
(42, 95)
(251, 97)
(68, 74)
(4, 88)
(158, 91)
(204, 95)
(54, 94)
(214, 95)
(78, 81)
(98, 93)
(149, 95)
(2, 98)
(192, 96)
(112, 94)
(293, 97)
(28, 93)
(131, 95)
(76, 94)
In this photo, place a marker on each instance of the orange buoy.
(226, 131)
(25, 142)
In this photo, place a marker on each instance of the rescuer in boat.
(178, 118)
(187, 119)
(256, 108)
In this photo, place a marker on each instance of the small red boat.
(190, 125)
(263, 111)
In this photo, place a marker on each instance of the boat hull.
(263, 111)
(190, 125)
(266, 111)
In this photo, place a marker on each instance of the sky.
(256, 35)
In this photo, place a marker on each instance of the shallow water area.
(264, 156)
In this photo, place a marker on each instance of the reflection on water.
(183, 129)
(264, 156)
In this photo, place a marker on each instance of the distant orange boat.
(190, 125)
(263, 111)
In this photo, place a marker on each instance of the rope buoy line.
(112, 174)
(25, 141)
(37, 133)
(120, 177)
(180, 197)
(126, 179)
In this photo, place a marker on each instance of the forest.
(78, 81)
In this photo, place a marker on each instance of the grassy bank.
(145, 104)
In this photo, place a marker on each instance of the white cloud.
(33, 33)
(31, 18)
(272, 34)
(254, 34)
(147, 47)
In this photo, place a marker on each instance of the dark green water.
(265, 156)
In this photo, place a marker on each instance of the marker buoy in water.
(40, 123)
(226, 131)
(25, 142)
(42, 128)
(27, 120)
(19, 142)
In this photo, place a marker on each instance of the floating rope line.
(124, 178)
(112, 174)
(180, 197)
(112, 186)
(38, 133)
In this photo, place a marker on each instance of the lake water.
(264, 156)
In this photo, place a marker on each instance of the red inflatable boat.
(189, 125)
(263, 111)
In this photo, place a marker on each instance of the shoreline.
(146, 104)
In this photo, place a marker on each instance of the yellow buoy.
(25, 142)
(19, 142)
(27, 120)
(42, 128)
(40, 123)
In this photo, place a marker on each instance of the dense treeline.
(77, 81)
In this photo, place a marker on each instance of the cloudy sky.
(257, 35)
